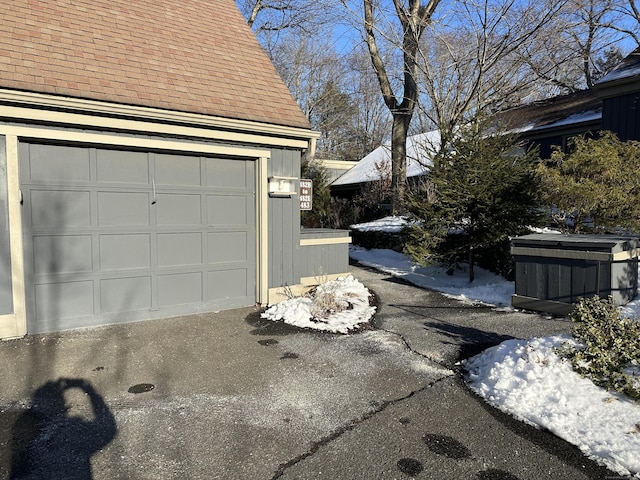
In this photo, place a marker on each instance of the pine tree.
(485, 192)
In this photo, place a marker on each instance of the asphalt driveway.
(231, 396)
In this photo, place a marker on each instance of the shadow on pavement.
(264, 327)
(472, 341)
(54, 439)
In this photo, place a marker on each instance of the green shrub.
(610, 344)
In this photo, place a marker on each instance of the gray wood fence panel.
(322, 260)
(567, 280)
(319, 260)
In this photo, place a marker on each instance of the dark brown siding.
(621, 115)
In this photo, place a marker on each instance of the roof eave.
(617, 87)
(567, 129)
(80, 107)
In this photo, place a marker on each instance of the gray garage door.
(112, 236)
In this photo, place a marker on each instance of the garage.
(115, 235)
(136, 179)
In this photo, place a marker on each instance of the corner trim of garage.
(15, 324)
(262, 243)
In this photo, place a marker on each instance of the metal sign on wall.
(306, 194)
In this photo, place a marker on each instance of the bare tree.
(269, 18)
(629, 10)
(465, 65)
(413, 16)
(335, 92)
(373, 120)
(471, 66)
(278, 15)
(579, 44)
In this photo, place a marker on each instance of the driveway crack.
(351, 425)
(416, 352)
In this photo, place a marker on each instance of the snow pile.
(336, 306)
(391, 224)
(529, 381)
(487, 288)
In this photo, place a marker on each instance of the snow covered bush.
(609, 349)
(339, 306)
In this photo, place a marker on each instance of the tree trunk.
(472, 273)
(399, 130)
(413, 17)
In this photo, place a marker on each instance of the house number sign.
(306, 193)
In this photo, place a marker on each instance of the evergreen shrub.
(609, 346)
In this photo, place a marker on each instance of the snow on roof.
(551, 111)
(550, 115)
(629, 67)
(372, 166)
(573, 119)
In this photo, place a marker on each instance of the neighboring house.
(149, 160)
(377, 165)
(613, 104)
(336, 168)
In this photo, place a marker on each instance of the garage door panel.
(176, 249)
(229, 173)
(125, 294)
(54, 301)
(178, 210)
(125, 252)
(227, 284)
(123, 209)
(228, 210)
(177, 170)
(59, 209)
(226, 247)
(179, 289)
(114, 166)
(61, 254)
(67, 164)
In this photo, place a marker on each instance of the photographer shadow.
(57, 436)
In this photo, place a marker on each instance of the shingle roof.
(195, 56)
